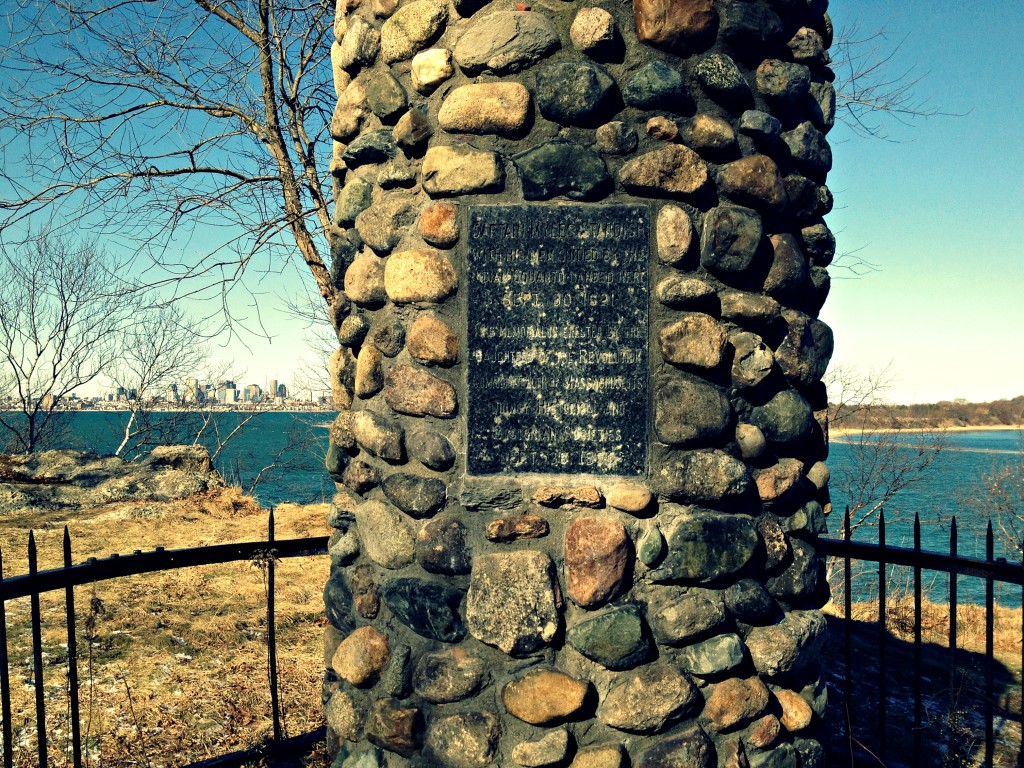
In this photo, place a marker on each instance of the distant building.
(282, 391)
(272, 388)
(192, 392)
(252, 394)
(227, 395)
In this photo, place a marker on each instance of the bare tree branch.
(156, 128)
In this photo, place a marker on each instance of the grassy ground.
(173, 665)
(953, 691)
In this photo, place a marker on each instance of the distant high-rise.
(192, 392)
(272, 389)
(282, 391)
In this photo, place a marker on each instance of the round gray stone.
(561, 167)
(442, 547)
(615, 639)
(505, 41)
(573, 92)
(706, 546)
(688, 410)
(713, 656)
(657, 86)
(417, 496)
(785, 419)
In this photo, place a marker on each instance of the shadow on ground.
(953, 696)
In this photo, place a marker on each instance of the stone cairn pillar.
(579, 454)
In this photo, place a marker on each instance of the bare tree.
(882, 456)
(154, 123)
(1001, 489)
(872, 88)
(162, 346)
(62, 310)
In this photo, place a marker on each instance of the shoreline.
(854, 431)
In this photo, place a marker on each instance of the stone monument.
(581, 432)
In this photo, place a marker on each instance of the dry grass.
(173, 665)
(954, 699)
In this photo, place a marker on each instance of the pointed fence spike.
(5, 680)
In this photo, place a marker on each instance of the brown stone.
(796, 713)
(464, 739)
(544, 696)
(735, 701)
(391, 726)
(412, 129)
(765, 732)
(777, 479)
(629, 497)
(511, 603)
(696, 339)
(378, 435)
(361, 656)
(365, 591)
(732, 755)
(807, 46)
(461, 171)
(369, 373)
(439, 225)
(592, 29)
(648, 700)
(364, 280)
(419, 393)
(414, 276)
(673, 170)
(432, 342)
(675, 235)
(343, 716)
(500, 107)
(708, 133)
(411, 28)
(661, 128)
(673, 23)
(775, 546)
(515, 527)
(339, 370)
(599, 756)
(549, 750)
(341, 433)
(584, 496)
(754, 181)
(597, 555)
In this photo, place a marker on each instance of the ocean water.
(295, 442)
(952, 485)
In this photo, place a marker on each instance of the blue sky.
(938, 210)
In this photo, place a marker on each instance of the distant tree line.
(940, 415)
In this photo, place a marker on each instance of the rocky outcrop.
(79, 480)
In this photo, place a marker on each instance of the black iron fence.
(35, 583)
(868, 731)
(928, 731)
